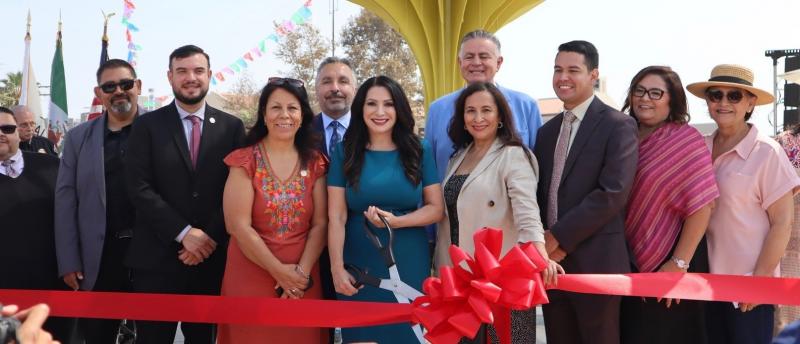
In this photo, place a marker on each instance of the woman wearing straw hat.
(751, 223)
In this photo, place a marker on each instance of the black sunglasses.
(715, 96)
(278, 81)
(111, 87)
(8, 129)
(653, 93)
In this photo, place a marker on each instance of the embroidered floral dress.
(282, 212)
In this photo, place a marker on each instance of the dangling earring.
(499, 125)
(465, 127)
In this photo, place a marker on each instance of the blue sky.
(690, 35)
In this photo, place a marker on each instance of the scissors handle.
(361, 276)
(386, 251)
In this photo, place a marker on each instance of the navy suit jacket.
(168, 193)
(320, 130)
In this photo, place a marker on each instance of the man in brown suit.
(587, 158)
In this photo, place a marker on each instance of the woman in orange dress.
(276, 212)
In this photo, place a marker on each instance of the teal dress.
(383, 184)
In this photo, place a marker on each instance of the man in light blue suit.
(93, 214)
(479, 59)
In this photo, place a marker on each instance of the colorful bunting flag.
(299, 17)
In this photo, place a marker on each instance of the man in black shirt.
(29, 141)
(94, 216)
(27, 181)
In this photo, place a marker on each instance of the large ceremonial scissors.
(403, 292)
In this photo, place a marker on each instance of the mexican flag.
(58, 94)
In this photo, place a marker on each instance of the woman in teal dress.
(381, 167)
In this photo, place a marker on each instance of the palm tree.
(10, 89)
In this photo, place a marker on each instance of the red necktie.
(194, 145)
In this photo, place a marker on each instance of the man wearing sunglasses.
(27, 184)
(29, 141)
(176, 176)
(94, 216)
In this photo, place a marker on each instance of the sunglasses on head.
(111, 87)
(278, 81)
(8, 129)
(715, 96)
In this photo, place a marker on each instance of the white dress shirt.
(579, 112)
(19, 164)
(326, 121)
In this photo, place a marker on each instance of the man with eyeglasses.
(27, 244)
(94, 215)
(29, 140)
(175, 177)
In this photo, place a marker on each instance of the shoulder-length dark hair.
(357, 136)
(461, 137)
(678, 108)
(305, 140)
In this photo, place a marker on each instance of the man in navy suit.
(587, 160)
(94, 216)
(176, 176)
(335, 87)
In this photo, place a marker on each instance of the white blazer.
(501, 193)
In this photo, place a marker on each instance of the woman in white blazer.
(491, 182)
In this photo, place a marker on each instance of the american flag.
(97, 105)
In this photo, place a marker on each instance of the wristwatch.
(680, 263)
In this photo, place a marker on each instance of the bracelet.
(299, 269)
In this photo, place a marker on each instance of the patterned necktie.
(335, 138)
(10, 170)
(194, 145)
(559, 159)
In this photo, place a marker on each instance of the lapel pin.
(212, 120)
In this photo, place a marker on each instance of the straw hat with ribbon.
(729, 75)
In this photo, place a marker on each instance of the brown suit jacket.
(594, 189)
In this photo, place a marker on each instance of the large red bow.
(461, 299)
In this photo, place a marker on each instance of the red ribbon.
(211, 309)
(456, 304)
(461, 299)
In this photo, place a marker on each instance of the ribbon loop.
(483, 291)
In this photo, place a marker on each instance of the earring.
(465, 127)
(499, 125)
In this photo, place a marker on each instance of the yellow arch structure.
(433, 29)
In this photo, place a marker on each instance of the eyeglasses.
(734, 97)
(653, 93)
(278, 81)
(8, 129)
(111, 87)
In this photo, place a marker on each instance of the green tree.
(302, 50)
(242, 99)
(10, 89)
(376, 49)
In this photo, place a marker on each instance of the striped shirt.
(674, 179)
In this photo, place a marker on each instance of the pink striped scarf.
(674, 179)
